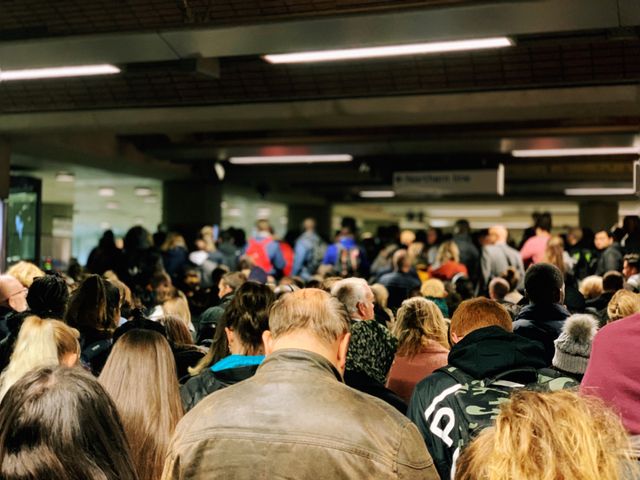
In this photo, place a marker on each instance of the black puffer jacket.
(207, 382)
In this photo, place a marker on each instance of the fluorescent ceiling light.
(377, 194)
(289, 159)
(575, 152)
(106, 192)
(463, 213)
(389, 51)
(143, 191)
(572, 192)
(65, 177)
(58, 72)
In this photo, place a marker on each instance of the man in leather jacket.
(295, 418)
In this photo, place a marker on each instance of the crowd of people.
(407, 354)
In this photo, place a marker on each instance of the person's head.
(178, 306)
(612, 281)
(554, 252)
(108, 240)
(603, 239)
(512, 276)
(357, 296)
(622, 304)
(140, 376)
(176, 330)
(631, 265)
(173, 240)
(574, 236)
(418, 321)
(309, 224)
(127, 302)
(591, 286)
(95, 304)
(40, 343)
(137, 239)
(263, 226)
(462, 227)
(48, 296)
(549, 436)
(407, 237)
(13, 294)
(380, 294)
(448, 251)
(573, 346)
(230, 282)
(400, 261)
(544, 284)
(310, 319)
(433, 288)
(498, 234)
(478, 313)
(25, 272)
(543, 223)
(59, 423)
(433, 236)
(498, 288)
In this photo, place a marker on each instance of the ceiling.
(572, 78)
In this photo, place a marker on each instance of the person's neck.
(304, 341)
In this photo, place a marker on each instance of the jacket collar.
(300, 360)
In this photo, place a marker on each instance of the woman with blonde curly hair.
(423, 346)
(622, 304)
(591, 287)
(448, 261)
(550, 436)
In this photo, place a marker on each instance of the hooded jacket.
(483, 353)
(542, 324)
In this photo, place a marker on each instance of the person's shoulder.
(432, 385)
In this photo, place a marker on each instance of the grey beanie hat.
(573, 346)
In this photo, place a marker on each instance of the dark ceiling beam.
(432, 24)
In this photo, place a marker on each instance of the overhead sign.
(450, 182)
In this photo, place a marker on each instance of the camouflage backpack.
(460, 412)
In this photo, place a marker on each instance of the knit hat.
(573, 346)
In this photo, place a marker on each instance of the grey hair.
(351, 291)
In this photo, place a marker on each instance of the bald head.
(309, 224)
(13, 294)
(499, 234)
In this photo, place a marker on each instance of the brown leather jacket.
(296, 419)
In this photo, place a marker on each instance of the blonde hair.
(554, 253)
(622, 304)
(591, 286)
(178, 306)
(381, 294)
(312, 310)
(549, 436)
(25, 272)
(40, 343)
(418, 321)
(433, 288)
(448, 251)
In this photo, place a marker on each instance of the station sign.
(450, 182)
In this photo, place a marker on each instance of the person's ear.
(230, 335)
(361, 309)
(343, 347)
(455, 338)
(267, 341)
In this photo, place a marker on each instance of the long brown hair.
(554, 252)
(59, 423)
(94, 304)
(140, 375)
(418, 321)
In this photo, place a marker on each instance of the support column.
(322, 214)
(189, 205)
(5, 179)
(598, 214)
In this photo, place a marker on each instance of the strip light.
(377, 194)
(58, 72)
(389, 51)
(290, 159)
(575, 152)
(573, 192)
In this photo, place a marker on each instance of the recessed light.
(390, 50)
(113, 205)
(143, 191)
(65, 177)
(290, 159)
(57, 72)
(377, 194)
(106, 192)
(575, 152)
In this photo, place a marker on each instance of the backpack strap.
(512, 378)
